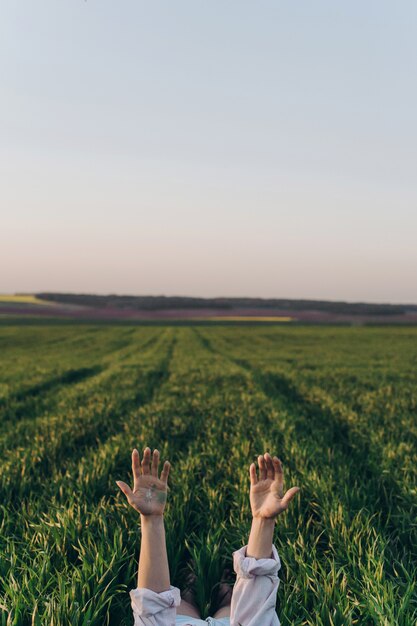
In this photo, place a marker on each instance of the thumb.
(125, 488)
(289, 495)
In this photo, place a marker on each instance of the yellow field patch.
(22, 299)
(249, 318)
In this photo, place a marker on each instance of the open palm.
(149, 493)
(267, 496)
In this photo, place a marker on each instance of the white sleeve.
(155, 609)
(255, 591)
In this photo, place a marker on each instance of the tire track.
(314, 421)
(24, 470)
(28, 407)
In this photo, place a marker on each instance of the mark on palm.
(149, 492)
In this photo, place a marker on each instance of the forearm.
(153, 561)
(261, 538)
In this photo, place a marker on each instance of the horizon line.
(208, 298)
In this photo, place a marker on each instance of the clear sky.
(209, 147)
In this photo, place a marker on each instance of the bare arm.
(153, 572)
(257, 564)
(267, 502)
(261, 538)
(148, 497)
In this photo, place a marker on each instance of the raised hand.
(267, 497)
(149, 492)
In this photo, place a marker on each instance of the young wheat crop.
(338, 405)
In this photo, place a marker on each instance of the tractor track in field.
(150, 383)
(34, 398)
(91, 436)
(31, 403)
(280, 387)
(315, 418)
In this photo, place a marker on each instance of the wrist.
(264, 523)
(151, 520)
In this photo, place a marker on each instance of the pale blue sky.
(194, 147)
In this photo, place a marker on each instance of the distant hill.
(167, 303)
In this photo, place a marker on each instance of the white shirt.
(253, 600)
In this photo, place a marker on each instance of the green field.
(338, 405)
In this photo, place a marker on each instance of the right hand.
(267, 496)
(149, 494)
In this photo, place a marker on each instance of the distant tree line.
(154, 303)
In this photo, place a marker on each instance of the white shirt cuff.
(146, 602)
(249, 567)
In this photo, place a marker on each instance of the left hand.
(149, 494)
(267, 497)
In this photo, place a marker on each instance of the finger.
(165, 472)
(252, 474)
(135, 467)
(270, 472)
(146, 461)
(289, 496)
(262, 467)
(155, 463)
(277, 465)
(279, 475)
(125, 488)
